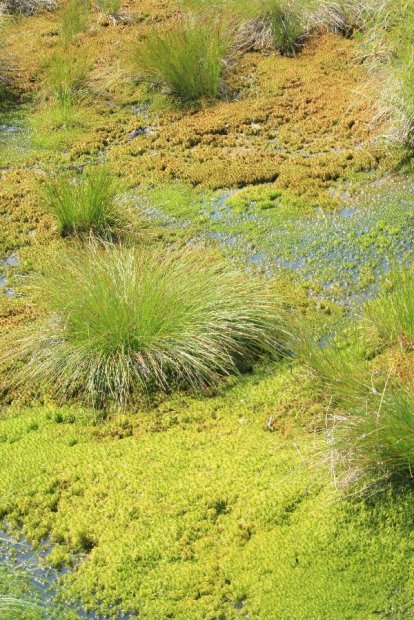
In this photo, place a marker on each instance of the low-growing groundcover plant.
(186, 57)
(198, 498)
(124, 319)
(84, 204)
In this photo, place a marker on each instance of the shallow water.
(4, 129)
(42, 580)
(14, 136)
(9, 261)
(343, 255)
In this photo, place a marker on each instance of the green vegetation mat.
(224, 504)
(198, 510)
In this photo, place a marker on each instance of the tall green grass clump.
(398, 93)
(271, 24)
(369, 414)
(75, 19)
(127, 319)
(3, 62)
(391, 55)
(340, 361)
(347, 17)
(8, 85)
(392, 313)
(84, 204)
(109, 7)
(13, 607)
(20, 600)
(186, 58)
(369, 389)
(375, 443)
(66, 74)
(285, 21)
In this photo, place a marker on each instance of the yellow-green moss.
(197, 510)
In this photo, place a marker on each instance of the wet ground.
(11, 261)
(341, 255)
(41, 581)
(14, 137)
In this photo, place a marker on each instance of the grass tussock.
(373, 444)
(4, 65)
(12, 607)
(390, 53)
(369, 391)
(347, 17)
(369, 416)
(109, 7)
(122, 320)
(75, 19)
(393, 312)
(84, 204)
(341, 363)
(9, 87)
(187, 58)
(272, 24)
(65, 77)
(285, 22)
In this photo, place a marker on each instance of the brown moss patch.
(296, 124)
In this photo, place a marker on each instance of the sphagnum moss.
(195, 509)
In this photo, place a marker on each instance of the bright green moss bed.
(197, 511)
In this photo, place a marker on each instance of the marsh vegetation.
(187, 57)
(207, 305)
(131, 319)
(85, 204)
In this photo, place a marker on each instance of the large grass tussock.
(128, 319)
(369, 390)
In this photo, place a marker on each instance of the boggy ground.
(220, 507)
